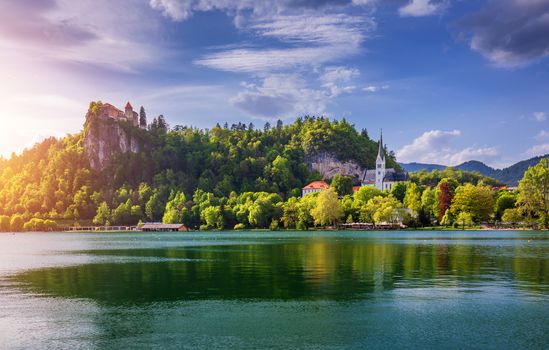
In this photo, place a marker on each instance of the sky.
(447, 80)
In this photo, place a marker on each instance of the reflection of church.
(380, 177)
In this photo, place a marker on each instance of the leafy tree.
(4, 223)
(213, 218)
(381, 209)
(16, 223)
(412, 198)
(478, 201)
(444, 195)
(154, 209)
(365, 193)
(328, 209)
(447, 219)
(103, 215)
(176, 211)
(505, 200)
(512, 215)
(428, 203)
(464, 219)
(290, 211)
(343, 185)
(399, 191)
(533, 197)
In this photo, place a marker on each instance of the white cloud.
(280, 96)
(540, 116)
(314, 40)
(434, 146)
(543, 134)
(420, 8)
(538, 150)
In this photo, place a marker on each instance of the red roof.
(109, 106)
(317, 185)
(128, 105)
(356, 188)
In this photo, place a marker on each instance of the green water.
(375, 290)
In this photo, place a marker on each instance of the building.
(313, 187)
(382, 178)
(160, 227)
(110, 111)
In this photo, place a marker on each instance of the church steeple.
(380, 163)
(381, 151)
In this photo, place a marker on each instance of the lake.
(310, 290)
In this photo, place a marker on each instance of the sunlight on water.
(425, 289)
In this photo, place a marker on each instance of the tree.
(464, 219)
(16, 223)
(381, 209)
(4, 223)
(213, 218)
(176, 211)
(290, 210)
(447, 219)
(142, 117)
(154, 209)
(399, 191)
(328, 209)
(478, 201)
(505, 200)
(412, 198)
(343, 185)
(428, 201)
(512, 216)
(533, 196)
(103, 215)
(365, 193)
(444, 195)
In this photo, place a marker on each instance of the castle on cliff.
(110, 111)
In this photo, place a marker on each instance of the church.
(380, 177)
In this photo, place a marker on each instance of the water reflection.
(312, 269)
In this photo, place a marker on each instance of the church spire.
(380, 151)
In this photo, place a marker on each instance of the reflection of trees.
(317, 269)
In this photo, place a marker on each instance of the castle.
(110, 111)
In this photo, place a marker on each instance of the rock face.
(105, 138)
(328, 166)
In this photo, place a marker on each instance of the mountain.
(510, 175)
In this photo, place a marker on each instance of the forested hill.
(56, 179)
(510, 175)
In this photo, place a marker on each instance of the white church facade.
(382, 178)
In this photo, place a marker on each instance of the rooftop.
(317, 185)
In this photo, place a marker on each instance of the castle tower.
(128, 111)
(380, 164)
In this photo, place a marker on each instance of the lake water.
(316, 290)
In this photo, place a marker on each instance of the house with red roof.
(313, 187)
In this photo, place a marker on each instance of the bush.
(34, 224)
(239, 227)
(274, 225)
(301, 226)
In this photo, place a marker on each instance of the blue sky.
(447, 80)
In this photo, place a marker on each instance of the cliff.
(328, 165)
(105, 137)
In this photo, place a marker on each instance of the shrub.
(239, 226)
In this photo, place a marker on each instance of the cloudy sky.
(447, 80)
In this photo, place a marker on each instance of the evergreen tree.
(142, 117)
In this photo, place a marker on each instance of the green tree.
(290, 211)
(505, 200)
(176, 211)
(382, 209)
(478, 201)
(399, 191)
(512, 215)
(464, 219)
(103, 215)
(213, 218)
(343, 185)
(365, 193)
(328, 208)
(533, 196)
(412, 198)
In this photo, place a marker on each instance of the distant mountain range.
(510, 175)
